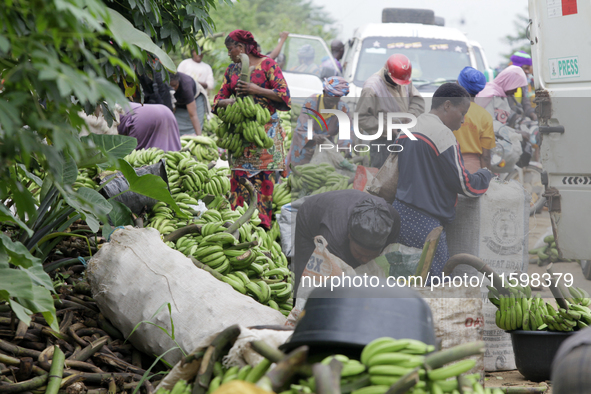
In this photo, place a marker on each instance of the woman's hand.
(246, 88)
(225, 102)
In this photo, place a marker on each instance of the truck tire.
(408, 15)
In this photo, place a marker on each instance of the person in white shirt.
(203, 76)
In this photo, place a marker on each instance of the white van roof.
(409, 30)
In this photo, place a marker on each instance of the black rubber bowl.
(534, 352)
(347, 318)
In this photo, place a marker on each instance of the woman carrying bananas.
(268, 89)
(302, 148)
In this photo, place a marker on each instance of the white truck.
(437, 53)
(561, 54)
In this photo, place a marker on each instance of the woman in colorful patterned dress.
(269, 89)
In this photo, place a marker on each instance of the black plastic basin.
(534, 352)
(348, 318)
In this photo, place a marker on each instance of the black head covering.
(370, 224)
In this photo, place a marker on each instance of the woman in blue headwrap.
(476, 137)
(302, 148)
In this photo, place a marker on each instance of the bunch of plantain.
(311, 179)
(281, 196)
(385, 361)
(180, 387)
(243, 124)
(285, 117)
(520, 310)
(203, 148)
(144, 157)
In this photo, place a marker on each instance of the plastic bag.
(404, 260)
(321, 264)
(385, 183)
(135, 202)
(511, 143)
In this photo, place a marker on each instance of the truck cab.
(561, 54)
(437, 53)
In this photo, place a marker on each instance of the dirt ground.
(538, 226)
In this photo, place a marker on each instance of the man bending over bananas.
(356, 225)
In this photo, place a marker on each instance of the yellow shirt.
(477, 131)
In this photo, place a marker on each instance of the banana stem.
(325, 378)
(278, 378)
(267, 351)
(181, 232)
(18, 351)
(245, 245)
(439, 359)
(561, 289)
(207, 268)
(56, 372)
(211, 355)
(557, 293)
(481, 266)
(251, 206)
(405, 383)
(27, 385)
(109, 328)
(91, 349)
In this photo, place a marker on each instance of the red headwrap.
(245, 37)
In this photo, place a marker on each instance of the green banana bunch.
(317, 178)
(522, 311)
(84, 179)
(203, 148)
(243, 125)
(547, 254)
(181, 387)
(144, 157)
(281, 196)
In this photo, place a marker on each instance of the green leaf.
(16, 282)
(148, 185)
(30, 175)
(101, 206)
(4, 44)
(65, 172)
(21, 313)
(6, 216)
(109, 146)
(124, 32)
(120, 215)
(39, 277)
(18, 253)
(41, 302)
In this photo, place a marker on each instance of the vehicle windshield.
(305, 55)
(433, 61)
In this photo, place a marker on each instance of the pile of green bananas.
(281, 196)
(211, 125)
(244, 123)
(246, 373)
(385, 361)
(547, 254)
(203, 148)
(181, 387)
(522, 311)
(311, 179)
(258, 271)
(185, 174)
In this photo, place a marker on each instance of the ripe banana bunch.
(181, 387)
(521, 310)
(202, 147)
(244, 124)
(144, 157)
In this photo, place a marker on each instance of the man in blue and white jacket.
(432, 172)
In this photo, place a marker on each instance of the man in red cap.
(388, 90)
